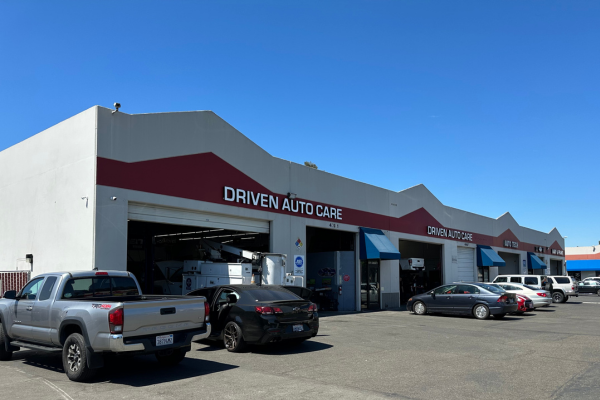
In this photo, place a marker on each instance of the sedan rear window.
(271, 295)
(562, 280)
(81, 288)
(491, 288)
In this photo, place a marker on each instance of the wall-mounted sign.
(511, 244)
(538, 249)
(299, 265)
(449, 233)
(558, 252)
(288, 204)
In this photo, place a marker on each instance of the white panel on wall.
(466, 264)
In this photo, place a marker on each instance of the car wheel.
(74, 358)
(5, 355)
(233, 338)
(419, 308)
(481, 311)
(500, 316)
(168, 358)
(558, 297)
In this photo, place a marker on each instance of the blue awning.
(534, 262)
(374, 245)
(583, 265)
(487, 257)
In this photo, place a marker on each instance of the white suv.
(563, 287)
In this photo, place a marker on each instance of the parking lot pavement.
(551, 353)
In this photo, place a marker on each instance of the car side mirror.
(231, 298)
(10, 294)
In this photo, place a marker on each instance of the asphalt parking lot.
(551, 353)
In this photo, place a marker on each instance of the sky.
(493, 105)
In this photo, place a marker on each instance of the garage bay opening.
(420, 267)
(156, 251)
(331, 268)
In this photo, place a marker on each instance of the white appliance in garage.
(466, 264)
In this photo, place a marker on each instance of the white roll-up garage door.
(466, 264)
(178, 216)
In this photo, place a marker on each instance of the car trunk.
(293, 310)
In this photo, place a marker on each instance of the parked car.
(252, 314)
(530, 280)
(540, 298)
(525, 304)
(478, 299)
(86, 315)
(590, 286)
(563, 287)
(592, 278)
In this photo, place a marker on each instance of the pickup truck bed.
(58, 311)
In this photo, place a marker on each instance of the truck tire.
(168, 358)
(74, 358)
(558, 297)
(233, 339)
(5, 355)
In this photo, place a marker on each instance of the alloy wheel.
(74, 357)
(231, 336)
(419, 308)
(481, 312)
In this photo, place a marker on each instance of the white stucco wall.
(42, 183)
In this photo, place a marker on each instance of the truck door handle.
(29, 308)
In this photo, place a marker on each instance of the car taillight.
(409, 261)
(206, 312)
(264, 310)
(312, 308)
(541, 294)
(116, 319)
(101, 273)
(502, 299)
(277, 310)
(572, 287)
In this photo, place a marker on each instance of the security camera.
(117, 106)
(113, 198)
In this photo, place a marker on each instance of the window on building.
(483, 274)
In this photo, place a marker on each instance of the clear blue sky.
(493, 105)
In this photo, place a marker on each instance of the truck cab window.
(47, 288)
(31, 290)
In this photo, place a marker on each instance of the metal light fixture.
(29, 258)
(291, 195)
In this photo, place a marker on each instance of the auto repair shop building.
(130, 192)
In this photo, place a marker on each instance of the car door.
(40, 317)
(221, 307)
(441, 299)
(24, 309)
(465, 297)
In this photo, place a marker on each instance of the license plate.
(164, 340)
(298, 328)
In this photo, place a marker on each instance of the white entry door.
(466, 264)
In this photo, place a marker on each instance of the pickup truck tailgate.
(162, 315)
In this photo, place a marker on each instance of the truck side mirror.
(10, 294)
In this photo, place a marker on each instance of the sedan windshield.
(530, 287)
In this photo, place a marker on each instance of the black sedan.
(589, 286)
(251, 314)
(478, 299)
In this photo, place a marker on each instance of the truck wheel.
(5, 355)
(233, 338)
(558, 297)
(74, 359)
(168, 358)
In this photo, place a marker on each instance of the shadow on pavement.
(277, 349)
(137, 371)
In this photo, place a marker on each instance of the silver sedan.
(541, 298)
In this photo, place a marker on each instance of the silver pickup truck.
(86, 315)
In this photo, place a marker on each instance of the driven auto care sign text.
(270, 201)
(449, 233)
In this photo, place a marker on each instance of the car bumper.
(147, 344)
(542, 302)
(286, 332)
(504, 309)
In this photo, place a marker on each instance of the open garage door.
(160, 239)
(419, 281)
(466, 264)
(178, 216)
